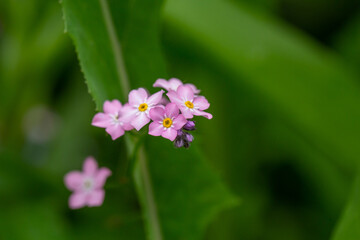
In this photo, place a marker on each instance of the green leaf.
(86, 24)
(189, 193)
(117, 44)
(348, 227)
(96, 35)
(305, 85)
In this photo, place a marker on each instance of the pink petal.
(204, 114)
(155, 98)
(90, 166)
(174, 83)
(101, 120)
(115, 131)
(137, 97)
(128, 113)
(101, 176)
(186, 112)
(185, 92)
(193, 88)
(163, 101)
(179, 122)
(161, 83)
(112, 107)
(201, 103)
(127, 126)
(170, 134)
(96, 198)
(157, 114)
(156, 129)
(140, 120)
(74, 180)
(171, 110)
(77, 200)
(174, 97)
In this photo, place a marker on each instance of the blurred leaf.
(118, 218)
(30, 202)
(73, 140)
(304, 84)
(32, 221)
(33, 50)
(348, 227)
(187, 193)
(264, 5)
(251, 155)
(347, 41)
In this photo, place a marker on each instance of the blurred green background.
(284, 137)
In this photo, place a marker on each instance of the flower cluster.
(170, 118)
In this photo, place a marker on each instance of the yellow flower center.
(143, 107)
(189, 104)
(167, 122)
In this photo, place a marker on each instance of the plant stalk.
(143, 182)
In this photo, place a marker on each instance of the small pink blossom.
(189, 104)
(87, 186)
(112, 119)
(140, 103)
(173, 84)
(166, 121)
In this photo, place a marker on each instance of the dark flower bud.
(189, 126)
(186, 144)
(180, 132)
(188, 137)
(179, 142)
(183, 139)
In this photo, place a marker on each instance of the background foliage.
(283, 80)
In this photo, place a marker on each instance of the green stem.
(149, 200)
(144, 185)
(115, 43)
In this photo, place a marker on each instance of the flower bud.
(179, 142)
(189, 126)
(180, 132)
(188, 137)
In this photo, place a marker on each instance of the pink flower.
(189, 104)
(173, 84)
(112, 119)
(87, 186)
(166, 121)
(140, 104)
